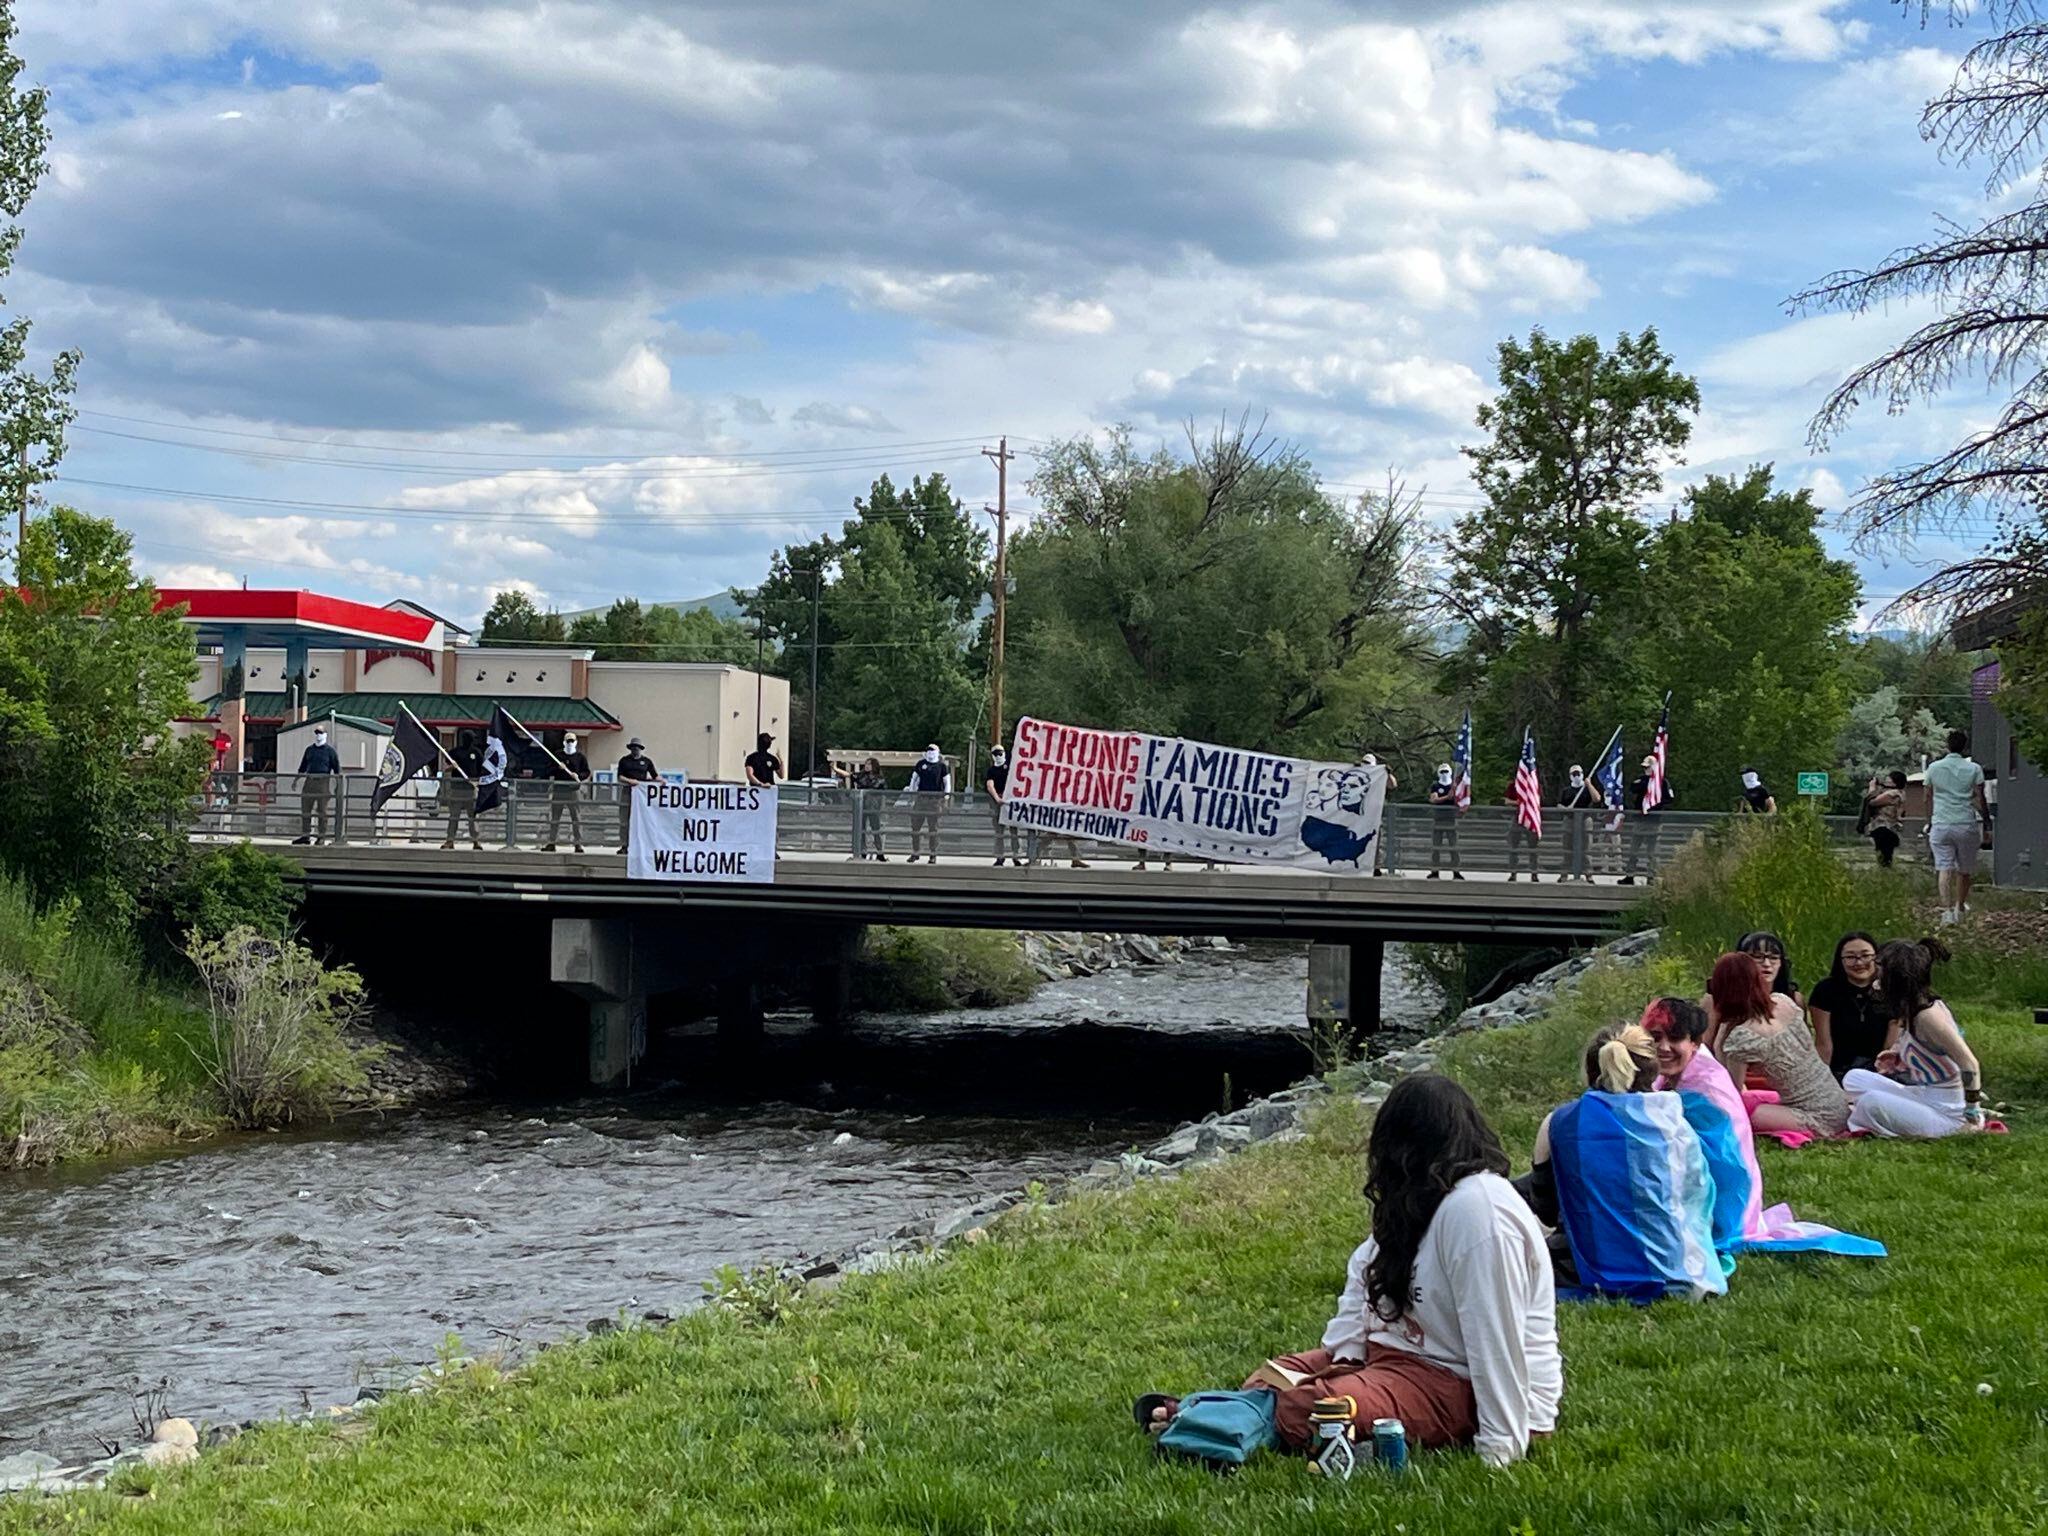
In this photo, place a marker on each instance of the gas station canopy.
(288, 620)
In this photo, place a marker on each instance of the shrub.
(926, 969)
(1776, 873)
(221, 888)
(275, 1015)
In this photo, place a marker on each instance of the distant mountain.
(720, 603)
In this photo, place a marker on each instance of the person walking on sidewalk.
(1956, 823)
(570, 773)
(930, 781)
(319, 778)
(994, 782)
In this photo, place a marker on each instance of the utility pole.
(1001, 512)
(760, 660)
(817, 585)
(21, 514)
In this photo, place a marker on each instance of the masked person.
(1642, 823)
(1443, 831)
(636, 767)
(1581, 797)
(319, 779)
(763, 767)
(994, 782)
(458, 788)
(1757, 799)
(930, 779)
(570, 772)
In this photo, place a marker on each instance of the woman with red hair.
(1758, 1027)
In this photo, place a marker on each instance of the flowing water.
(272, 1274)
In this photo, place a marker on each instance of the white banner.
(1168, 795)
(701, 832)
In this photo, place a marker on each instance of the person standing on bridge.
(762, 766)
(319, 778)
(1579, 801)
(1443, 832)
(930, 781)
(994, 782)
(570, 772)
(636, 767)
(1646, 796)
(458, 788)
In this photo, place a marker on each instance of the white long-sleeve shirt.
(1483, 1307)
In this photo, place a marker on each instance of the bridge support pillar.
(831, 977)
(741, 1024)
(592, 957)
(1344, 985)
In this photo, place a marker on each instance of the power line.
(508, 453)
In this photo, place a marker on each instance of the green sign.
(1813, 783)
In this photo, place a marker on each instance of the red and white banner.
(1168, 795)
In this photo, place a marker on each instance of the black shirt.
(766, 767)
(1585, 798)
(998, 776)
(1856, 1023)
(1757, 800)
(1639, 786)
(637, 769)
(1445, 798)
(573, 765)
(320, 758)
(929, 777)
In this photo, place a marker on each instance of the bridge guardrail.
(535, 813)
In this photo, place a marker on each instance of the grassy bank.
(910, 970)
(95, 1051)
(988, 1392)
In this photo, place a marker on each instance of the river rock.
(168, 1453)
(1268, 1118)
(175, 1432)
(1221, 1136)
(26, 1469)
(1179, 1147)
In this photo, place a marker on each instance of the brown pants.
(1433, 1404)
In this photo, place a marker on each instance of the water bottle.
(1390, 1444)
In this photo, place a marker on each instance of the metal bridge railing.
(537, 813)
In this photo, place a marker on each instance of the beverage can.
(1390, 1444)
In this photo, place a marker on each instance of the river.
(274, 1274)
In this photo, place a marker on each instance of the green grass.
(136, 1079)
(928, 969)
(988, 1392)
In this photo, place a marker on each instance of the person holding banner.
(992, 781)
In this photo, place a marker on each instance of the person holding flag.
(465, 767)
(569, 773)
(1526, 796)
(1451, 797)
(1580, 799)
(1649, 792)
(490, 784)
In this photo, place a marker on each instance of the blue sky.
(389, 298)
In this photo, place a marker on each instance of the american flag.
(1461, 766)
(1528, 793)
(1653, 795)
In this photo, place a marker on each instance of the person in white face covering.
(1443, 830)
(1579, 799)
(993, 783)
(570, 771)
(1756, 796)
(930, 780)
(319, 782)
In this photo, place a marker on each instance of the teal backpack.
(1222, 1428)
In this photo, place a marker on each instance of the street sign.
(1813, 784)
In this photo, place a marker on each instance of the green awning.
(542, 713)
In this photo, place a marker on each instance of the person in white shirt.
(1448, 1320)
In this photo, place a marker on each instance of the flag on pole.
(1608, 780)
(490, 789)
(411, 750)
(1654, 795)
(1528, 792)
(1607, 774)
(1461, 766)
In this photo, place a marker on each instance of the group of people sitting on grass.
(1645, 1186)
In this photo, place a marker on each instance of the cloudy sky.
(395, 298)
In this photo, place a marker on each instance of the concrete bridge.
(614, 942)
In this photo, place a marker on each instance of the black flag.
(490, 789)
(409, 751)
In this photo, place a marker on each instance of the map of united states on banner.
(1168, 795)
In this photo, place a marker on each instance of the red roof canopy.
(275, 618)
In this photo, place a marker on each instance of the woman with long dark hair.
(1848, 1012)
(1768, 950)
(1448, 1320)
(1928, 1083)
(1767, 1031)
